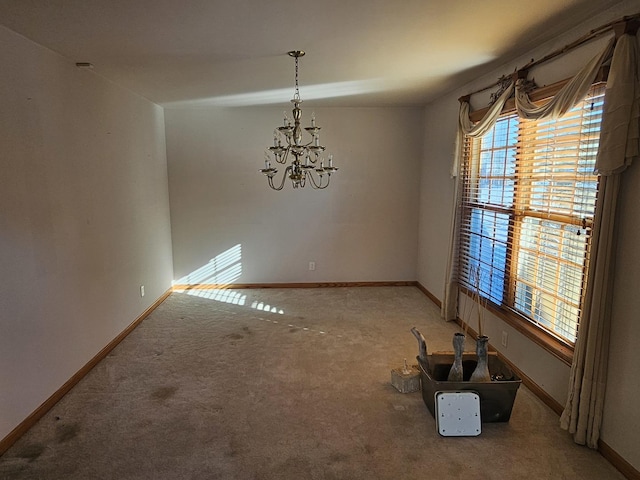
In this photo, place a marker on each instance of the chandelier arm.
(270, 180)
(284, 177)
(319, 186)
(283, 160)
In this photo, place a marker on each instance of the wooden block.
(406, 382)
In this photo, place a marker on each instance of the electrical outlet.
(312, 265)
(504, 338)
(142, 290)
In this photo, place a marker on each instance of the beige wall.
(362, 228)
(621, 412)
(84, 219)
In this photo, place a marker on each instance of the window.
(528, 202)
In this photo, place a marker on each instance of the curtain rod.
(627, 24)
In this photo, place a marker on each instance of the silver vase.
(481, 373)
(422, 349)
(456, 374)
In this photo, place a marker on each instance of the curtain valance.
(573, 92)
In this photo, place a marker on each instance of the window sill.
(548, 342)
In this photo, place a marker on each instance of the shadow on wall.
(211, 281)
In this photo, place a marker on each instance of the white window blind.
(529, 196)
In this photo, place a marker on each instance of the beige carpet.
(282, 384)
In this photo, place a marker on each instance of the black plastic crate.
(496, 397)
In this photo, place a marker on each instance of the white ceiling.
(233, 52)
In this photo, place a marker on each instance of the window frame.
(545, 339)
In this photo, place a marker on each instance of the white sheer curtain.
(619, 144)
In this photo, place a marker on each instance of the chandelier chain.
(297, 92)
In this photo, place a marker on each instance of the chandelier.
(307, 162)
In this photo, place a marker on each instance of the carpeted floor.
(282, 384)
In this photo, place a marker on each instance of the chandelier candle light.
(307, 157)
